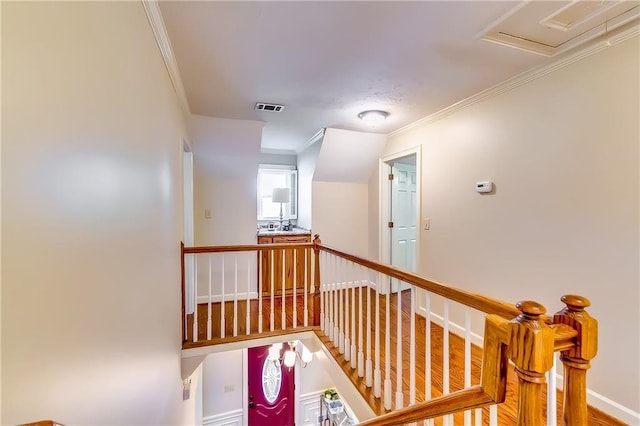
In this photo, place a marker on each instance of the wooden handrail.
(519, 333)
(245, 247)
(466, 399)
(482, 303)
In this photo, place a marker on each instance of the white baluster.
(222, 313)
(284, 274)
(341, 315)
(368, 368)
(260, 279)
(493, 415)
(412, 351)
(377, 376)
(551, 395)
(272, 319)
(294, 304)
(330, 295)
(399, 369)
(478, 417)
(311, 265)
(235, 296)
(360, 331)
(336, 306)
(448, 420)
(323, 293)
(209, 325)
(248, 303)
(348, 298)
(354, 347)
(306, 293)
(387, 350)
(467, 360)
(195, 298)
(427, 351)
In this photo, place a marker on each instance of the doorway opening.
(400, 210)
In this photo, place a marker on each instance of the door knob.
(252, 404)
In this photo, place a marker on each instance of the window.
(270, 177)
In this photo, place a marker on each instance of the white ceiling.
(327, 61)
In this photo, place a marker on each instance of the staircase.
(352, 305)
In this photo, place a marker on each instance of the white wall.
(226, 156)
(223, 370)
(563, 152)
(91, 165)
(282, 159)
(233, 206)
(306, 168)
(340, 215)
(193, 405)
(373, 217)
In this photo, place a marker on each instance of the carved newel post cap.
(531, 309)
(575, 303)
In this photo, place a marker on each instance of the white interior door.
(403, 215)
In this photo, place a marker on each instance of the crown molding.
(528, 76)
(154, 15)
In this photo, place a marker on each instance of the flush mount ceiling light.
(373, 117)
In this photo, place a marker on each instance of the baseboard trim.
(454, 328)
(230, 418)
(606, 405)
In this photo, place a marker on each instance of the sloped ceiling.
(348, 156)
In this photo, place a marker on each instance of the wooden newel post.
(316, 279)
(576, 360)
(531, 350)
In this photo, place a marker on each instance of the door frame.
(384, 207)
(188, 185)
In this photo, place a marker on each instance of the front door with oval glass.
(271, 389)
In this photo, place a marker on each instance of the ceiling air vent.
(260, 106)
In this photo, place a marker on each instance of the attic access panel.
(550, 27)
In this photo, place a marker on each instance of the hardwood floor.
(507, 411)
(240, 324)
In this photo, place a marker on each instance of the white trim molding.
(154, 15)
(230, 418)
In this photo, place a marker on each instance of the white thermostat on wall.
(484, 187)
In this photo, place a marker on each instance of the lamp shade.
(274, 353)
(307, 356)
(373, 117)
(280, 195)
(289, 358)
